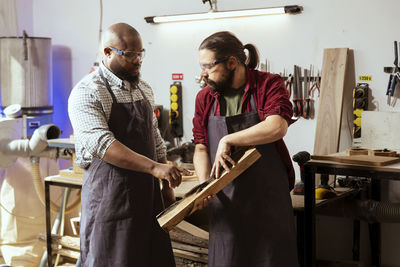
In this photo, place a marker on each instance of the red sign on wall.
(177, 76)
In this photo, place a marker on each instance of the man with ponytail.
(251, 219)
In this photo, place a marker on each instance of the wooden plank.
(168, 219)
(68, 253)
(346, 128)
(66, 241)
(365, 151)
(190, 248)
(66, 180)
(192, 177)
(359, 159)
(71, 173)
(181, 236)
(192, 229)
(190, 255)
(331, 101)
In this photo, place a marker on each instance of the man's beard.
(223, 85)
(121, 73)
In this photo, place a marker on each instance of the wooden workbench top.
(189, 183)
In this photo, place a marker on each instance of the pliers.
(288, 84)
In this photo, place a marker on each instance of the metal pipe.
(36, 146)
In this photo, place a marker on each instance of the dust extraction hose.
(35, 148)
(37, 182)
(388, 212)
(368, 210)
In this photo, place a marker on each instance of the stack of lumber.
(190, 245)
(66, 246)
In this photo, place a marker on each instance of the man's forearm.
(201, 162)
(269, 130)
(121, 156)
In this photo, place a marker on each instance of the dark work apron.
(119, 206)
(251, 219)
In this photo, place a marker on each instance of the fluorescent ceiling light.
(226, 14)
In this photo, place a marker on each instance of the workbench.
(56, 180)
(302, 211)
(376, 173)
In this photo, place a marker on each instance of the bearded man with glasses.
(124, 157)
(251, 219)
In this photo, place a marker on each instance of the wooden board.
(187, 205)
(346, 127)
(71, 173)
(359, 159)
(182, 236)
(331, 101)
(193, 230)
(190, 255)
(357, 151)
(376, 152)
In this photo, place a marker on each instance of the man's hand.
(221, 156)
(167, 194)
(170, 173)
(202, 204)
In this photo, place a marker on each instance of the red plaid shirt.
(271, 98)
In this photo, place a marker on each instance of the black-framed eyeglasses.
(130, 55)
(209, 66)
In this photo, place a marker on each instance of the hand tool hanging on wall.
(295, 82)
(289, 83)
(306, 102)
(299, 91)
(315, 84)
(314, 81)
(394, 77)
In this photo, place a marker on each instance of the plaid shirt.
(89, 108)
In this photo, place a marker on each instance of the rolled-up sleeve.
(89, 123)
(276, 98)
(161, 149)
(199, 127)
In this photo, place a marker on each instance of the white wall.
(369, 27)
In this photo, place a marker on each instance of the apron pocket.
(114, 203)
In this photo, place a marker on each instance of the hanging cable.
(101, 20)
(15, 14)
(99, 42)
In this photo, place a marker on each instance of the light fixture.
(214, 14)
